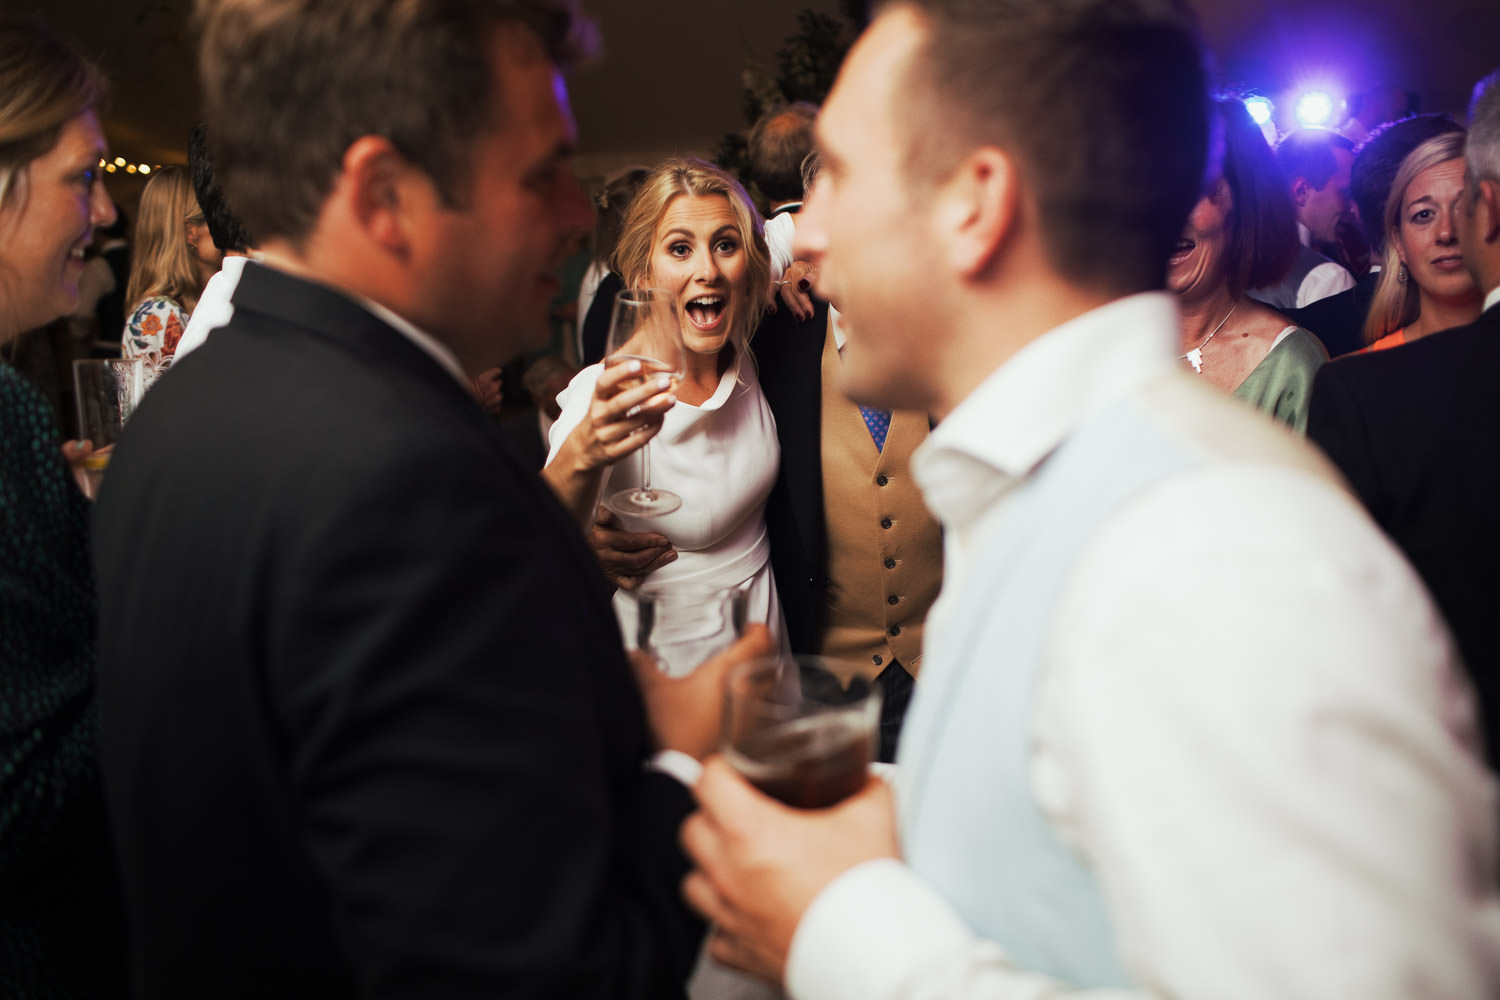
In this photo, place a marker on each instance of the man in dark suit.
(1414, 431)
(368, 729)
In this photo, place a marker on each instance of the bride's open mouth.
(1180, 252)
(706, 311)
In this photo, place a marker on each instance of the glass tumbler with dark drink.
(801, 729)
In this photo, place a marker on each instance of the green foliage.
(810, 60)
(805, 69)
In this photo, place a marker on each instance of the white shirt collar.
(233, 265)
(1029, 405)
(837, 319)
(432, 346)
(424, 341)
(1491, 300)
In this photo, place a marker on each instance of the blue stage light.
(1260, 109)
(1314, 109)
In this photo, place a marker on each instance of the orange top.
(1388, 341)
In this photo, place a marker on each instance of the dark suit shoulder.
(1433, 365)
(390, 633)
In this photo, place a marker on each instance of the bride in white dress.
(693, 232)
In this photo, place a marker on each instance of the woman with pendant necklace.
(1241, 235)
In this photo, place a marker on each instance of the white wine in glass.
(644, 328)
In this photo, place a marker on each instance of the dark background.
(673, 74)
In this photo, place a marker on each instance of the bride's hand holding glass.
(632, 394)
(630, 400)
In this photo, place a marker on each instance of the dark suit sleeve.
(1338, 321)
(468, 746)
(596, 321)
(789, 360)
(1336, 422)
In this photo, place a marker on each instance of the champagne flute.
(644, 328)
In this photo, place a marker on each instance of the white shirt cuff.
(679, 765)
(869, 932)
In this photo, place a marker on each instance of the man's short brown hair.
(289, 85)
(778, 144)
(1102, 104)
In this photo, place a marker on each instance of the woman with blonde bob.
(167, 274)
(62, 923)
(1424, 286)
(694, 233)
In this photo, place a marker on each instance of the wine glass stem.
(646, 468)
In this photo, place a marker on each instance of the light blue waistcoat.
(970, 824)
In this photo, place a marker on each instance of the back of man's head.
(1102, 104)
(1482, 152)
(227, 232)
(779, 142)
(290, 84)
(1376, 164)
(1308, 153)
(1480, 225)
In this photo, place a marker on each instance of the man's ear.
(377, 179)
(1487, 211)
(1301, 189)
(977, 208)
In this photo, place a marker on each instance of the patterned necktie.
(879, 423)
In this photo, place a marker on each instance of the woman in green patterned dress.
(61, 922)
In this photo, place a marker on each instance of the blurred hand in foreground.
(760, 864)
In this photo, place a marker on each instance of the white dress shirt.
(1328, 278)
(779, 232)
(215, 307)
(1247, 720)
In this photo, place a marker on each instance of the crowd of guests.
(326, 695)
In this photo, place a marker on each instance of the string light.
(113, 166)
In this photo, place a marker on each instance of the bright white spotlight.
(1260, 109)
(1314, 109)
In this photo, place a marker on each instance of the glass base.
(641, 501)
